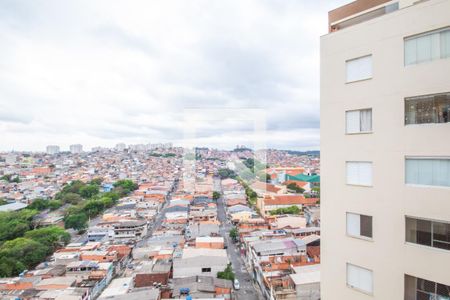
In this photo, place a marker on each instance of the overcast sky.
(103, 72)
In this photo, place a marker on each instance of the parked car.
(236, 284)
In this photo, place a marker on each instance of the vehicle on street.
(236, 284)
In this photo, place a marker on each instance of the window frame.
(358, 184)
(360, 131)
(423, 34)
(432, 239)
(371, 293)
(347, 81)
(424, 158)
(360, 236)
(419, 97)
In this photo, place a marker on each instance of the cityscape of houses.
(188, 227)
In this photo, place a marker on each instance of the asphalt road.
(248, 290)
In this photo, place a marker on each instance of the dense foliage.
(14, 224)
(227, 273)
(42, 204)
(216, 195)
(26, 252)
(291, 210)
(294, 187)
(226, 173)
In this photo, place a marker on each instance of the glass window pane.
(425, 171)
(443, 290)
(445, 44)
(359, 68)
(410, 51)
(424, 48)
(353, 122)
(423, 235)
(366, 226)
(412, 171)
(411, 229)
(435, 45)
(353, 224)
(365, 173)
(366, 120)
(352, 173)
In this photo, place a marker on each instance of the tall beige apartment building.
(385, 151)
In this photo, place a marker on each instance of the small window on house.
(206, 270)
(359, 173)
(359, 68)
(360, 278)
(359, 225)
(358, 121)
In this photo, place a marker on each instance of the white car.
(236, 284)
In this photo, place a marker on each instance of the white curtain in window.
(359, 173)
(366, 120)
(410, 51)
(359, 68)
(352, 173)
(365, 173)
(353, 121)
(360, 278)
(445, 44)
(353, 224)
(434, 172)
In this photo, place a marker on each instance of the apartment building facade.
(385, 151)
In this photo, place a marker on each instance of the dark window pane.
(443, 290)
(441, 232)
(423, 296)
(424, 232)
(426, 285)
(441, 245)
(366, 226)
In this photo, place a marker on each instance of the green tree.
(71, 198)
(76, 221)
(26, 251)
(294, 187)
(227, 273)
(54, 204)
(125, 186)
(38, 204)
(97, 181)
(234, 233)
(52, 237)
(88, 191)
(291, 210)
(216, 195)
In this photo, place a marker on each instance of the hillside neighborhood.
(156, 223)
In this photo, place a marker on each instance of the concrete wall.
(389, 199)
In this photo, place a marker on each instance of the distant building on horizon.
(385, 151)
(52, 149)
(76, 148)
(121, 147)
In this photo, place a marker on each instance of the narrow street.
(248, 290)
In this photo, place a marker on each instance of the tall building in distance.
(121, 147)
(385, 151)
(77, 148)
(52, 149)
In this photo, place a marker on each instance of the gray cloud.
(103, 72)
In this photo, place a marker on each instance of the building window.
(427, 47)
(359, 225)
(427, 109)
(206, 270)
(428, 233)
(359, 68)
(425, 171)
(358, 121)
(359, 173)
(418, 289)
(360, 278)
